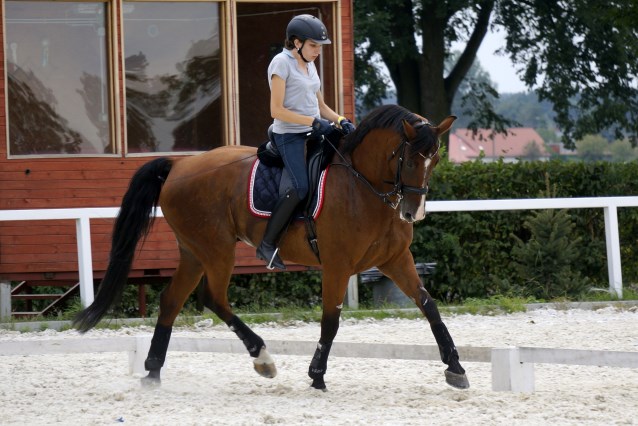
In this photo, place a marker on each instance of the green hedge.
(474, 250)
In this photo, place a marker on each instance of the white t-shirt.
(301, 90)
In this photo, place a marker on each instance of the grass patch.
(604, 295)
(494, 305)
(383, 313)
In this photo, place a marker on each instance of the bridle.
(398, 187)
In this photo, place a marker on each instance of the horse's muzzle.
(409, 215)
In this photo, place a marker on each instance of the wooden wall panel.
(46, 249)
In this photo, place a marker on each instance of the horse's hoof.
(456, 380)
(265, 365)
(150, 382)
(266, 370)
(319, 384)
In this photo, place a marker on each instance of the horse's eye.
(410, 163)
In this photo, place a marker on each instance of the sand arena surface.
(223, 389)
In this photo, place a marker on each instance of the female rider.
(298, 108)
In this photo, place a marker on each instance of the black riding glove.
(321, 127)
(346, 125)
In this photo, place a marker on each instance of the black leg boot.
(281, 216)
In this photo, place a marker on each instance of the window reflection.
(173, 76)
(57, 78)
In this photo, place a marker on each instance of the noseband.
(399, 188)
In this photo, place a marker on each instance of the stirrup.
(274, 257)
(272, 260)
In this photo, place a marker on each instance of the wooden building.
(94, 89)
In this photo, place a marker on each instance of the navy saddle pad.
(267, 184)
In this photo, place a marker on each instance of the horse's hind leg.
(216, 299)
(187, 275)
(404, 274)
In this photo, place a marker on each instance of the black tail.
(132, 224)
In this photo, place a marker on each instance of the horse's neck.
(373, 160)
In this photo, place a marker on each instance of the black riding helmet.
(306, 27)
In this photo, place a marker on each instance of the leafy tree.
(622, 151)
(545, 262)
(592, 147)
(581, 55)
(549, 135)
(532, 151)
(526, 109)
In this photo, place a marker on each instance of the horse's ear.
(409, 130)
(445, 125)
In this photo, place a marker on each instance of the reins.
(399, 187)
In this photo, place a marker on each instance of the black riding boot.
(281, 216)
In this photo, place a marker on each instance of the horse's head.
(402, 150)
(418, 155)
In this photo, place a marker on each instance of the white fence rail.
(82, 217)
(512, 368)
(608, 204)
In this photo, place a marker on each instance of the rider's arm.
(325, 111)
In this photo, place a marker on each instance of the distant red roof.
(464, 146)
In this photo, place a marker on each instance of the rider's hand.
(346, 125)
(321, 127)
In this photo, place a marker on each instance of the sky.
(500, 68)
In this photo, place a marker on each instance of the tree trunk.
(406, 78)
(435, 102)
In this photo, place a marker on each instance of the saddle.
(317, 149)
(270, 180)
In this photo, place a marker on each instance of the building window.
(57, 78)
(261, 30)
(173, 76)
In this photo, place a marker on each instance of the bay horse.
(375, 190)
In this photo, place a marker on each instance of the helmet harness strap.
(301, 54)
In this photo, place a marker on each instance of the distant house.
(558, 150)
(520, 144)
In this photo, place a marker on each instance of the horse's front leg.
(333, 293)
(403, 272)
(455, 373)
(319, 363)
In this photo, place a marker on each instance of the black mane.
(391, 117)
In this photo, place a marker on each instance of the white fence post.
(85, 260)
(137, 357)
(613, 250)
(353, 292)
(509, 373)
(5, 300)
